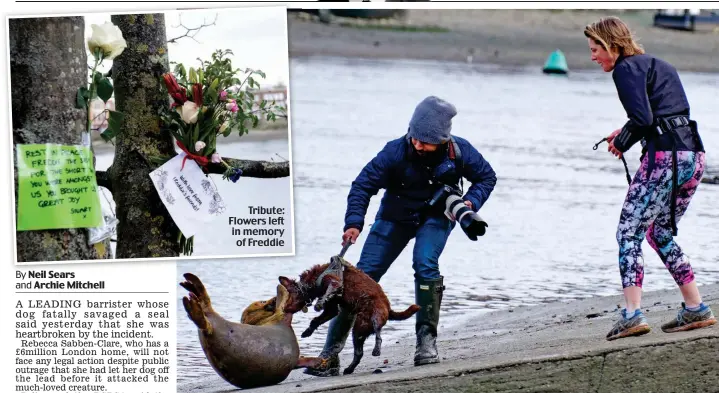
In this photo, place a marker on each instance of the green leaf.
(195, 133)
(175, 134)
(211, 93)
(97, 78)
(104, 89)
(200, 75)
(81, 99)
(114, 122)
(193, 75)
(107, 135)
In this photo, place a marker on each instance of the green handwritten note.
(56, 188)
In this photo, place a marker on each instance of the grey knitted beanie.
(432, 120)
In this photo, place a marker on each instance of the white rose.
(108, 38)
(199, 145)
(189, 112)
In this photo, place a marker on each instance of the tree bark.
(251, 168)
(146, 228)
(48, 63)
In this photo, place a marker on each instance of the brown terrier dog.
(352, 290)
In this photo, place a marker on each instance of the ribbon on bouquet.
(202, 161)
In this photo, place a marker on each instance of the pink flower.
(232, 106)
(223, 95)
(216, 158)
(199, 145)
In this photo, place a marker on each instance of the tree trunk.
(146, 228)
(48, 63)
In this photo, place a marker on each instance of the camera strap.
(455, 154)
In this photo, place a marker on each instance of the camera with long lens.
(472, 224)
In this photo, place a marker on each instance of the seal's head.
(259, 311)
(267, 312)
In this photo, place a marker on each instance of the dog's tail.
(401, 316)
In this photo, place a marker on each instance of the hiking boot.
(688, 320)
(336, 336)
(428, 295)
(626, 327)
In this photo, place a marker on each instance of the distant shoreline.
(501, 37)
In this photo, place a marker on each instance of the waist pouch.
(682, 138)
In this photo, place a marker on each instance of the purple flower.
(235, 175)
(223, 95)
(216, 158)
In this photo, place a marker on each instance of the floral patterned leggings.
(646, 211)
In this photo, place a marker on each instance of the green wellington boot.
(428, 295)
(337, 333)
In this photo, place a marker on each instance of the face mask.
(431, 158)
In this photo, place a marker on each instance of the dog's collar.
(305, 292)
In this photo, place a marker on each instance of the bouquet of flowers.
(210, 101)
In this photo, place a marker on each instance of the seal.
(246, 355)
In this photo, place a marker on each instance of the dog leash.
(336, 265)
(624, 161)
(344, 249)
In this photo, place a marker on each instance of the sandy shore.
(557, 347)
(505, 37)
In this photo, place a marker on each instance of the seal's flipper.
(195, 313)
(308, 362)
(196, 287)
(283, 296)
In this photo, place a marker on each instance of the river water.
(552, 217)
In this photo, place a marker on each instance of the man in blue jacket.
(411, 169)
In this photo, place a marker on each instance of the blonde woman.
(672, 166)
